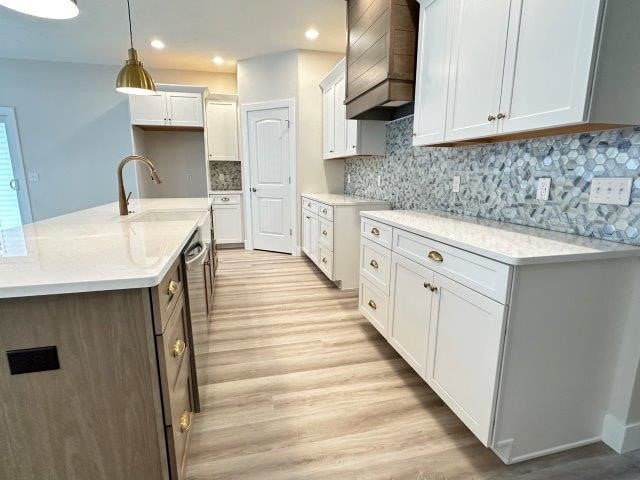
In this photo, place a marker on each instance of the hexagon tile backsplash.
(498, 181)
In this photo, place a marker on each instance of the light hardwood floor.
(295, 384)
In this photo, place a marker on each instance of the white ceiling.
(192, 30)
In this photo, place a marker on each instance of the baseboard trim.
(504, 448)
(622, 438)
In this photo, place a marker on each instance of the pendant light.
(133, 79)
(54, 9)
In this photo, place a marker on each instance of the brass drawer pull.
(375, 231)
(431, 287)
(173, 287)
(500, 116)
(491, 118)
(372, 304)
(324, 259)
(435, 256)
(373, 263)
(324, 232)
(185, 421)
(179, 348)
(225, 199)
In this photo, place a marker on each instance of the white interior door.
(269, 152)
(14, 198)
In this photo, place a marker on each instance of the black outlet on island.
(30, 360)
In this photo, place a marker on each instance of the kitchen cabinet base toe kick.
(512, 350)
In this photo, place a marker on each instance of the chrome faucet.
(123, 199)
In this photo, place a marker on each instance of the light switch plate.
(348, 178)
(379, 181)
(544, 187)
(611, 191)
(455, 186)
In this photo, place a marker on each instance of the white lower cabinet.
(465, 342)
(227, 218)
(411, 311)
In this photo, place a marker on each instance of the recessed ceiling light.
(312, 34)
(218, 60)
(159, 44)
(54, 9)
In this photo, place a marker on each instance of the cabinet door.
(228, 223)
(434, 53)
(340, 119)
(465, 345)
(547, 68)
(314, 238)
(306, 233)
(222, 130)
(328, 120)
(411, 303)
(184, 109)
(353, 140)
(148, 109)
(477, 60)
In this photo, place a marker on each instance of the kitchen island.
(96, 379)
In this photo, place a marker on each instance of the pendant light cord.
(130, 28)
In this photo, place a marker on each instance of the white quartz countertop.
(225, 192)
(97, 249)
(335, 199)
(507, 243)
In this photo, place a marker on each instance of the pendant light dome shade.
(133, 79)
(54, 9)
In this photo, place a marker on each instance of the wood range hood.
(381, 57)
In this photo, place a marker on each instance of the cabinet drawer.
(481, 274)
(326, 234)
(325, 261)
(310, 205)
(173, 347)
(376, 231)
(178, 434)
(166, 295)
(375, 264)
(326, 211)
(374, 305)
(233, 199)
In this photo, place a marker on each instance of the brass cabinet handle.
(373, 263)
(431, 287)
(324, 259)
(225, 199)
(375, 231)
(324, 232)
(500, 116)
(185, 421)
(308, 205)
(491, 118)
(435, 256)
(324, 210)
(414, 134)
(173, 287)
(372, 304)
(179, 348)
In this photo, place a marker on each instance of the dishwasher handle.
(198, 259)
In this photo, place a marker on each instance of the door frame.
(15, 152)
(245, 109)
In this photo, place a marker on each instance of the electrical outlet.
(189, 177)
(379, 181)
(610, 191)
(455, 186)
(544, 186)
(34, 177)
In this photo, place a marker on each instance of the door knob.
(254, 189)
(14, 184)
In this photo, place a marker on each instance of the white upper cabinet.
(548, 63)
(222, 128)
(341, 137)
(184, 109)
(434, 50)
(507, 66)
(148, 109)
(477, 60)
(168, 108)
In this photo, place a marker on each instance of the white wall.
(296, 74)
(74, 128)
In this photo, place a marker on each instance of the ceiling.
(193, 31)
